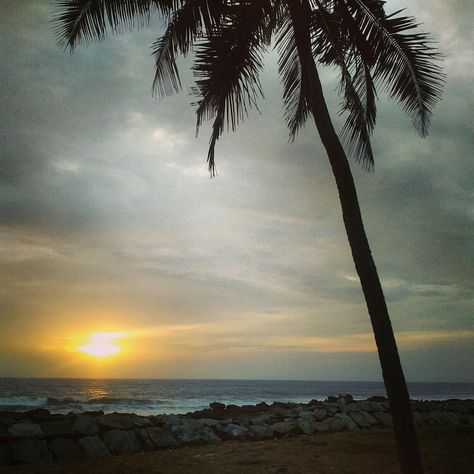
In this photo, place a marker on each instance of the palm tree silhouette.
(228, 39)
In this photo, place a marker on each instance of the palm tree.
(228, 39)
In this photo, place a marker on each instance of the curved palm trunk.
(394, 379)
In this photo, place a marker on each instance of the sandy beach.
(445, 450)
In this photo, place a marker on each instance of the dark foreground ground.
(445, 450)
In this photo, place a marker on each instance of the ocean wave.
(55, 402)
(23, 401)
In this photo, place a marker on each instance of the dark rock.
(58, 428)
(332, 408)
(94, 447)
(161, 438)
(122, 442)
(217, 408)
(30, 451)
(4, 434)
(384, 419)
(231, 431)
(156, 420)
(314, 403)
(85, 425)
(39, 415)
(336, 423)
(193, 433)
(263, 406)
(368, 407)
(144, 439)
(65, 450)
(25, 429)
(377, 398)
(286, 428)
(142, 422)
(93, 413)
(320, 414)
(260, 432)
(8, 419)
(347, 398)
(208, 422)
(305, 425)
(263, 419)
(308, 415)
(119, 421)
(5, 457)
(320, 427)
(331, 399)
(350, 425)
(363, 419)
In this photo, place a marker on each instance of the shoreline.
(38, 436)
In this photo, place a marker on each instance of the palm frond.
(289, 67)
(227, 66)
(85, 21)
(359, 102)
(185, 26)
(333, 41)
(403, 62)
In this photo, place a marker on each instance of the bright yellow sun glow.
(102, 344)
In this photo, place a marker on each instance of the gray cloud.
(106, 206)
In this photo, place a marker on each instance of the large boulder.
(122, 442)
(63, 428)
(193, 433)
(25, 429)
(385, 419)
(363, 420)
(320, 427)
(263, 419)
(305, 425)
(261, 431)
(144, 439)
(64, 449)
(350, 425)
(85, 425)
(5, 456)
(117, 421)
(231, 431)
(286, 428)
(160, 437)
(218, 409)
(94, 447)
(338, 422)
(40, 415)
(30, 451)
(320, 414)
(309, 415)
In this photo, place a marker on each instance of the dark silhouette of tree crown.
(229, 37)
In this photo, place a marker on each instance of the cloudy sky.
(109, 221)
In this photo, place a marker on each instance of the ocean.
(148, 396)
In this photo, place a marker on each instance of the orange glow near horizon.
(102, 344)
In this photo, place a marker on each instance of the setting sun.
(102, 344)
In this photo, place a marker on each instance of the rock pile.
(38, 436)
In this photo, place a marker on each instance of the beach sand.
(445, 450)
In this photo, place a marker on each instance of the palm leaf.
(289, 67)
(227, 66)
(185, 26)
(334, 42)
(403, 62)
(85, 21)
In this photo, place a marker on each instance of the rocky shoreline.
(38, 436)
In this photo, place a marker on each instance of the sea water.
(152, 396)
